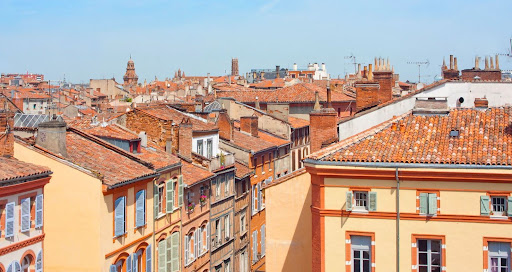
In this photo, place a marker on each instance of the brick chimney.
(384, 77)
(367, 94)
(225, 125)
(249, 124)
(51, 135)
(185, 139)
(322, 128)
(6, 134)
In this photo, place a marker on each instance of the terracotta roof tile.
(170, 114)
(484, 138)
(11, 168)
(249, 142)
(193, 174)
(297, 122)
(242, 170)
(113, 131)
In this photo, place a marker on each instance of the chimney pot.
(185, 138)
(451, 62)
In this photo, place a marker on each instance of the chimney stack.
(185, 138)
(451, 62)
(329, 102)
(51, 135)
(7, 139)
(492, 63)
(225, 125)
(477, 63)
(497, 62)
(486, 63)
(295, 67)
(323, 128)
(277, 71)
(317, 102)
(249, 124)
(370, 72)
(257, 104)
(455, 64)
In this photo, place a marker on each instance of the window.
(203, 245)
(161, 198)
(361, 253)
(39, 211)
(361, 200)
(254, 199)
(499, 257)
(39, 261)
(254, 246)
(428, 203)
(217, 230)
(162, 248)
(226, 227)
(25, 214)
(227, 265)
(260, 202)
(200, 147)
(120, 216)
(209, 148)
(219, 184)
(140, 208)
(269, 160)
(499, 205)
(262, 232)
(226, 185)
(243, 261)
(189, 248)
(243, 222)
(429, 255)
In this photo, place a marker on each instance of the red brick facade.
(367, 95)
(249, 124)
(385, 80)
(6, 140)
(323, 128)
(185, 139)
(225, 126)
(470, 74)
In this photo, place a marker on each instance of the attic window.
(454, 133)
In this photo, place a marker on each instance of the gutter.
(133, 181)
(408, 165)
(27, 178)
(169, 167)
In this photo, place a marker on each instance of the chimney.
(486, 62)
(329, 101)
(481, 103)
(323, 67)
(365, 72)
(185, 138)
(257, 104)
(51, 135)
(455, 64)
(497, 62)
(262, 75)
(225, 125)
(370, 72)
(359, 68)
(6, 134)
(322, 128)
(295, 67)
(249, 124)
(277, 71)
(444, 65)
(492, 63)
(451, 62)
(317, 102)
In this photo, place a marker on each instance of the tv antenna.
(419, 63)
(353, 58)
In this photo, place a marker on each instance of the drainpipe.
(397, 221)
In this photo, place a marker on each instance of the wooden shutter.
(254, 246)
(260, 207)
(484, 205)
(175, 251)
(161, 256)
(140, 203)
(254, 194)
(9, 219)
(228, 226)
(129, 264)
(168, 242)
(432, 203)
(208, 236)
(373, 201)
(119, 216)
(423, 203)
(10, 267)
(509, 206)
(263, 240)
(155, 200)
(148, 258)
(111, 269)
(187, 249)
(348, 205)
(39, 262)
(39, 211)
(25, 214)
(17, 266)
(195, 244)
(169, 185)
(180, 190)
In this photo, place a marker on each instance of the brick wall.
(225, 126)
(367, 95)
(185, 139)
(470, 74)
(385, 80)
(6, 140)
(249, 124)
(323, 128)
(156, 129)
(451, 74)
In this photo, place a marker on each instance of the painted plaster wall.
(288, 225)
(71, 216)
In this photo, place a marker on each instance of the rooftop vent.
(431, 105)
(454, 133)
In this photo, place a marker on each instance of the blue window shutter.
(140, 204)
(148, 258)
(111, 269)
(186, 248)
(423, 203)
(373, 201)
(348, 201)
(135, 260)
(170, 195)
(119, 216)
(39, 211)
(9, 219)
(432, 203)
(39, 261)
(129, 264)
(155, 200)
(509, 206)
(25, 214)
(484, 205)
(17, 266)
(180, 190)
(10, 267)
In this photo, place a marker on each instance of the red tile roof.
(248, 142)
(193, 174)
(113, 131)
(170, 114)
(297, 122)
(485, 136)
(242, 170)
(12, 168)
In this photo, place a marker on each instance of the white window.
(217, 230)
(227, 265)
(219, 184)
(226, 185)
(361, 253)
(499, 257)
(200, 147)
(429, 255)
(209, 148)
(499, 205)
(243, 261)
(243, 222)
(161, 192)
(361, 200)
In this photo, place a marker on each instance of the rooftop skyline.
(93, 39)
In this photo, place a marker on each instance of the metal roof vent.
(454, 133)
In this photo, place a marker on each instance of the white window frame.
(360, 248)
(218, 188)
(359, 197)
(500, 255)
(243, 220)
(501, 207)
(161, 198)
(226, 226)
(429, 253)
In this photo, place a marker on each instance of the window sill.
(498, 217)
(360, 211)
(160, 215)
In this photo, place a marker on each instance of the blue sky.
(94, 39)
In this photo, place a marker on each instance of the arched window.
(14, 267)
(27, 263)
(39, 262)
